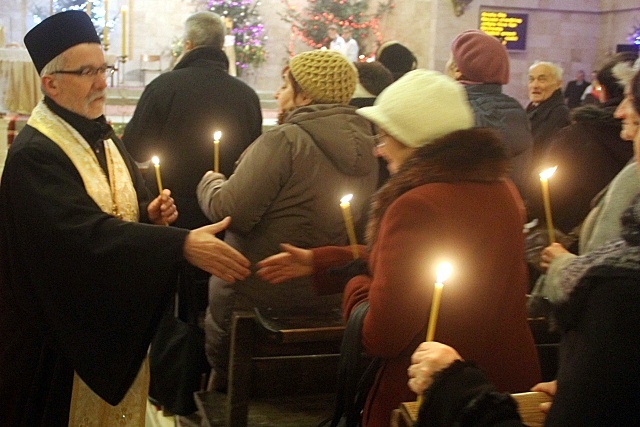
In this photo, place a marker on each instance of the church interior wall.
(577, 34)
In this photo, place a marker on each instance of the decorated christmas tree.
(312, 22)
(245, 23)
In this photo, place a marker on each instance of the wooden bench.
(278, 354)
(528, 407)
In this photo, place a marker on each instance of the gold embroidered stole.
(115, 196)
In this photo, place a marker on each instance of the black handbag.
(354, 383)
(177, 361)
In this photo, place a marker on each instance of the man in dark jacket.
(547, 111)
(574, 90)
(175, 119)
(179, 111)
(481, 63)
(589, 152)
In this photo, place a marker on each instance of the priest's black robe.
(79, 289)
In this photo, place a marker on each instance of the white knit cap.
(420, 107)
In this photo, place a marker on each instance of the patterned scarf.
(623, 254)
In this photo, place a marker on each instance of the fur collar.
(473, 155)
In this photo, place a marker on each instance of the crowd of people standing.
(87, 281)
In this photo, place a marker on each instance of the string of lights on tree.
(95, 8)
(634, 37)
(310, 25)
(245, 22)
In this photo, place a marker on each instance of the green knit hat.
(326, 76)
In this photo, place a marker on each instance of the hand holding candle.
(544, 180)
(216, 150)
(156, 163)
(348, 220)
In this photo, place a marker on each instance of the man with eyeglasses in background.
(83, 284)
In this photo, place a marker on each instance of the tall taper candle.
(156, 163)
(348, 220)
(123, 17)
(216, 150)
(544, 181)
(105, 30)
(444, 271)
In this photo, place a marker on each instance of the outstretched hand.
(204, 250)
(291, 263)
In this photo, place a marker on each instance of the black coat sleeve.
(599, 372)
(462, 395)
(94, 285)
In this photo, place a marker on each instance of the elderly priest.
(83, 282)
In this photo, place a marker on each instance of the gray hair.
(624, 71)
(556, 70)
(205, 29)
(57, 63)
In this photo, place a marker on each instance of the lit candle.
(105, 30)
(216, 150)
(444, 271)
(348, 220)
(156, 163)
(442, 274)
(123, 13)
(544, 180)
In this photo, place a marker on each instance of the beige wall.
(578, 34)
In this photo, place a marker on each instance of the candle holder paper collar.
(58, 33)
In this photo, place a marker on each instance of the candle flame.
(548, 173)
(216, 135)
(444, 272)
(346, 199)
(155, 160)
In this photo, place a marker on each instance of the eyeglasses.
(104, 71)
(379, 139)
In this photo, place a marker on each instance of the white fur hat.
(420, 107)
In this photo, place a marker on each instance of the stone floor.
(290, 411)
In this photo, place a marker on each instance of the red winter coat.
(453, 204)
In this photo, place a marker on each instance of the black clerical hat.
(58, 33)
